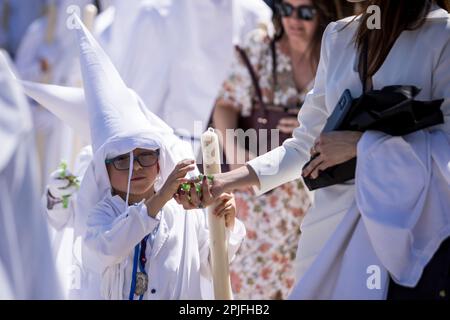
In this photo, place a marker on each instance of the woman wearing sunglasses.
(265, 89)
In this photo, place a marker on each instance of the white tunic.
(331, 230)
(177, 260)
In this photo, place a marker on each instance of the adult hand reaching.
(212, 189)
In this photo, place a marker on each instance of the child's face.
(145, 171)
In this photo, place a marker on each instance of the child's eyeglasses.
(145, 159)
(304, 12)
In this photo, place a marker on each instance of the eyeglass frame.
(136, 158)
(279, 7)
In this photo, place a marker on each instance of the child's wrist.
(162, 197)
(155, 204)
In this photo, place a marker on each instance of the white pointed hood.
(67, 103)
(113, 110)
(118, 125)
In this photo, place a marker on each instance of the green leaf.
(65, 201)
(63, 167)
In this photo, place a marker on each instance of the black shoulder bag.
(391, 110)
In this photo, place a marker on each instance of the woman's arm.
(285, 163)
(441, 85)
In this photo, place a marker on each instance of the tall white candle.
(89, 15)
(217, 229)
(51, 23)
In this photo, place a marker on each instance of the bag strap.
(253, 75)
(274, 64)
(365, 61)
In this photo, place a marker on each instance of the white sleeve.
(235, 238)
(59, 217)
(285, 163)
(111, 238)
(441, 85)
(406, 214)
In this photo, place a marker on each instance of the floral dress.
(263, 267)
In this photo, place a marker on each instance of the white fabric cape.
(25, 254)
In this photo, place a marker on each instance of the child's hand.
(226, 206)
(176, 178)
(61, 186)
(192, 195)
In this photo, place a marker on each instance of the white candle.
(217, 229)
(89, 15)
(51, 23)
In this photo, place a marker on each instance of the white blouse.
(422, 58)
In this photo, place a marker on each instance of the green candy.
(186, 187)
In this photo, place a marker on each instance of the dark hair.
(327, 11)
(396, 17)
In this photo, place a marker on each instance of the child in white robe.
(155, 237)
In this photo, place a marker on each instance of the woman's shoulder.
(438, 20)
(345, 27)
(338, 35)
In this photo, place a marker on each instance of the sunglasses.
(304, 12)
(145, 159)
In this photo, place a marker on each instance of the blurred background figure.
(175, 54)
(15, 17)
(27, 269)
(265, 89)
(48, 54)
